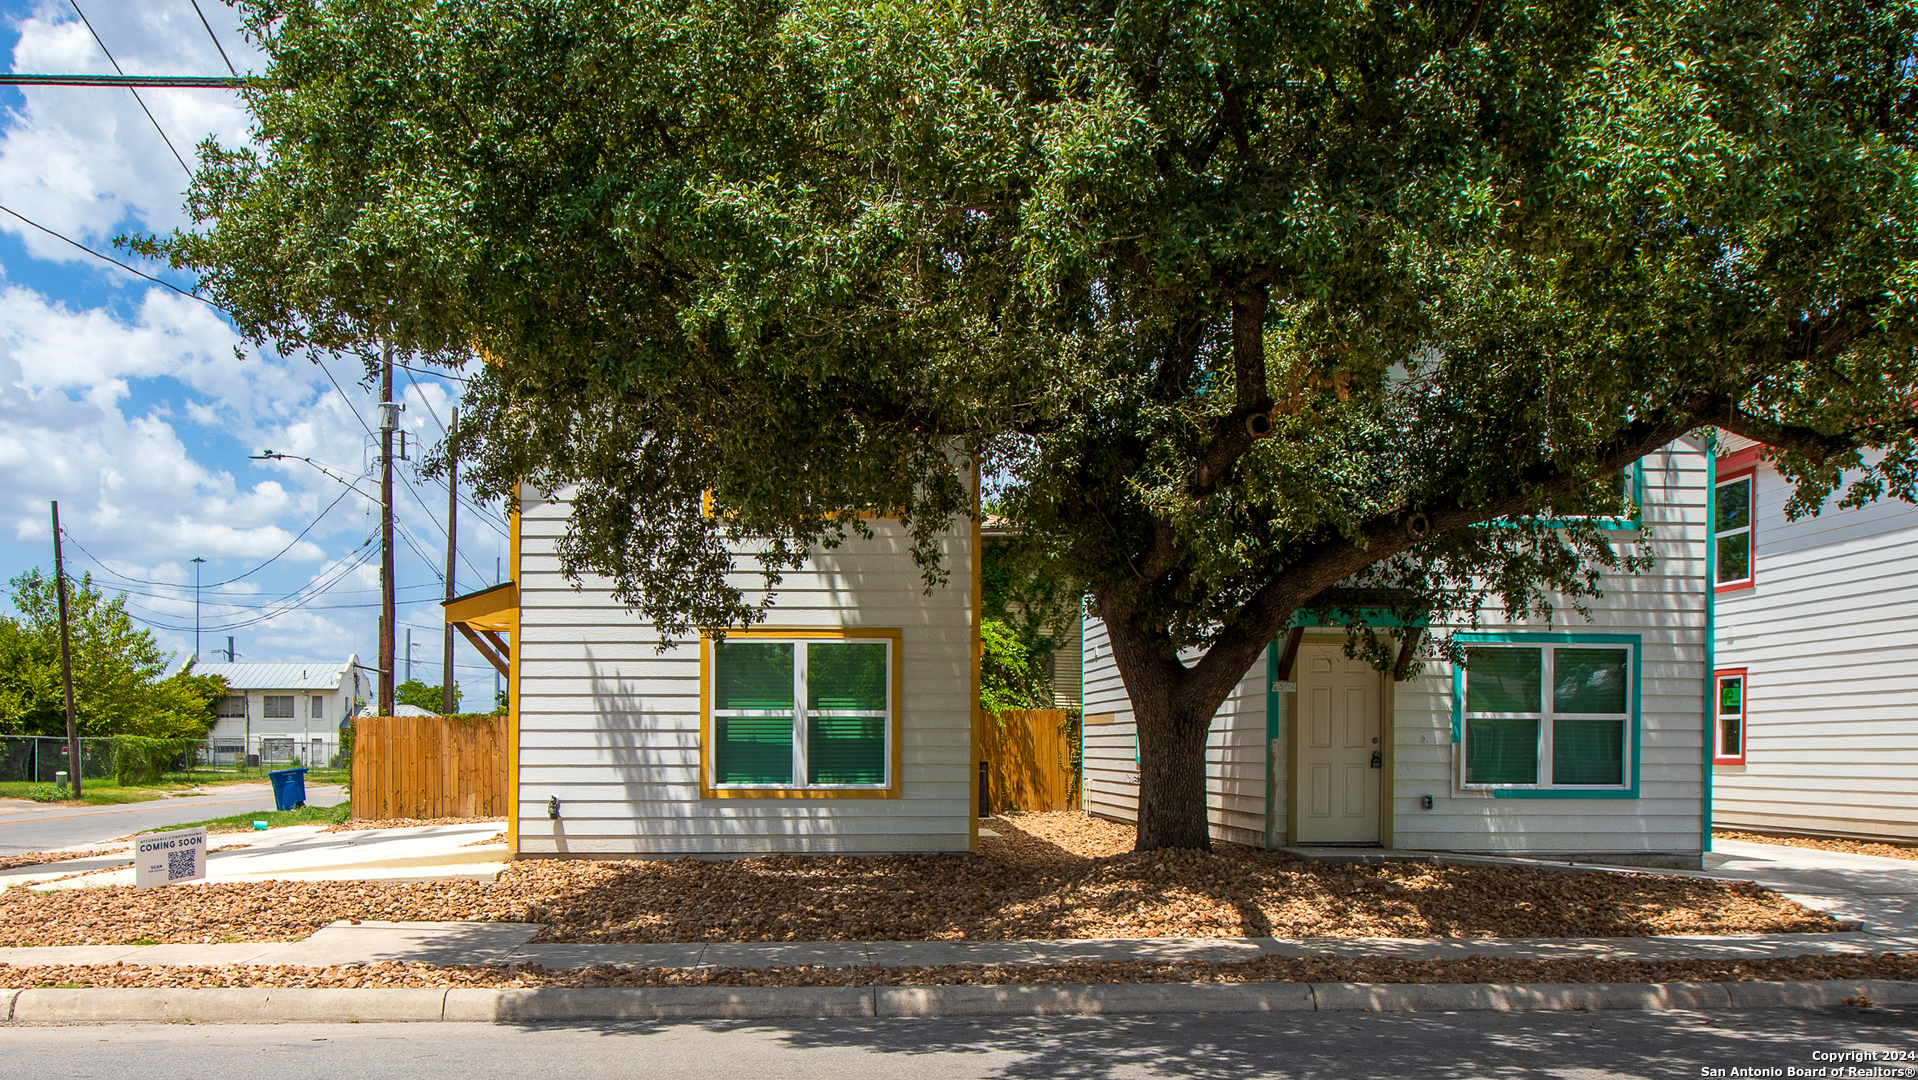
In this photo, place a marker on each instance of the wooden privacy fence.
(1029, 758)
(429, 766)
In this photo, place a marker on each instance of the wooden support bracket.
(497, 659)
(1289, 655)
(1408, 648)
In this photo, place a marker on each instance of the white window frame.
(1749, 529)
(316, 707)
(1545, 718)
(266, 708)
(800, 713)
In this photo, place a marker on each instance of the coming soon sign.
(169, 858)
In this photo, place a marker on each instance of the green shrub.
(140, 760)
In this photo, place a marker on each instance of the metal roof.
(281, 675)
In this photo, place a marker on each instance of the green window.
(1732, 530)
(1547, 715)
(801, 714)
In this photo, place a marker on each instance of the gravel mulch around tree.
(1325, 969)
(1851, 847)
(368, 824)
(1027, 883)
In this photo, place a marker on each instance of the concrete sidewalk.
(511, 943)
(305, 853)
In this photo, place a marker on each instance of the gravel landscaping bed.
(47, 858)
(1045, 876)
(1852, 847)
(1324, 969)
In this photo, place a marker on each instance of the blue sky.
(123, 399)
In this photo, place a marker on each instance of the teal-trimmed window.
(801, 714)
(1548, 715)
(1614, 502)
(1732, 505)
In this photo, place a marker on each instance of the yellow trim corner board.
(894, 718)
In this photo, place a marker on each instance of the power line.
(215, 37)
(222, 82)
(289, 547)
(303, 595)
(130, 90)
(114, 261)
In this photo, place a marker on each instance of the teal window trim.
(801, 713)
(1376, 618)
(1634, 719)
(1634, 478)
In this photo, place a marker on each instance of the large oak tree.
(1236, 304)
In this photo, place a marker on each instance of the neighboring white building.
(285, 712)
(1816, 660)
(843, 724)
(1567, 738)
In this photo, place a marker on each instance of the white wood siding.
(1828, 633)
(1666, 606)
(609, 725)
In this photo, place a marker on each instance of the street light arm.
(270, 455)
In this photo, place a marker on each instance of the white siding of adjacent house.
(1829, 636)
(609, 725)
(1666, 606)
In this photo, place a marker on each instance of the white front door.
(1340, 756)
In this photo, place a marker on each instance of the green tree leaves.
(117, 668)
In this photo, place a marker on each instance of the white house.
(1567, 738)
(1816, 660)
(842, 724)
(284, 712)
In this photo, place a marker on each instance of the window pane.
(1501, 751)
(1734, 557)
(1734, 506)
(753, 675)
(1731, 737)
(1588, 681)
(1731, 696)
(846, 675)
(753, 749)
(1502, 680)
(845, 750)
(1588, 752)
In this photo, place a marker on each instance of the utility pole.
(66, 655)
(449, 702)
(197, 564)
(389, 421)
(229, 648)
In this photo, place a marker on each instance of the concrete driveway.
(29, 826)
(1881, 894)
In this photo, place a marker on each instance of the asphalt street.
(37, 827)
(1565, 1046)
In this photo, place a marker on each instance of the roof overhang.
(482, 616)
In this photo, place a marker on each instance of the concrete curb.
(558, 1004)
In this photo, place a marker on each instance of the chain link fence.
(125, 759)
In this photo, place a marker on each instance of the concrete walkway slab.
(431, 943)
(777, 954)
(936, 953)
(560, 957)
(1096, 950)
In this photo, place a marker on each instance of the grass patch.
(105, 791)
(305, 815)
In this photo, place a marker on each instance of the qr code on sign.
(179, 864)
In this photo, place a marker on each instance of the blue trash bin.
(289, 788)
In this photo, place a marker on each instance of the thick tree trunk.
(1172, 811)
(1173, 710)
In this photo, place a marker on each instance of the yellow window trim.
(707, 790)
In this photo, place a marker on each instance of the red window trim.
(1731, 469)
(1744, 716)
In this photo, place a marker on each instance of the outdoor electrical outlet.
(552, 808)
(1425, 802)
